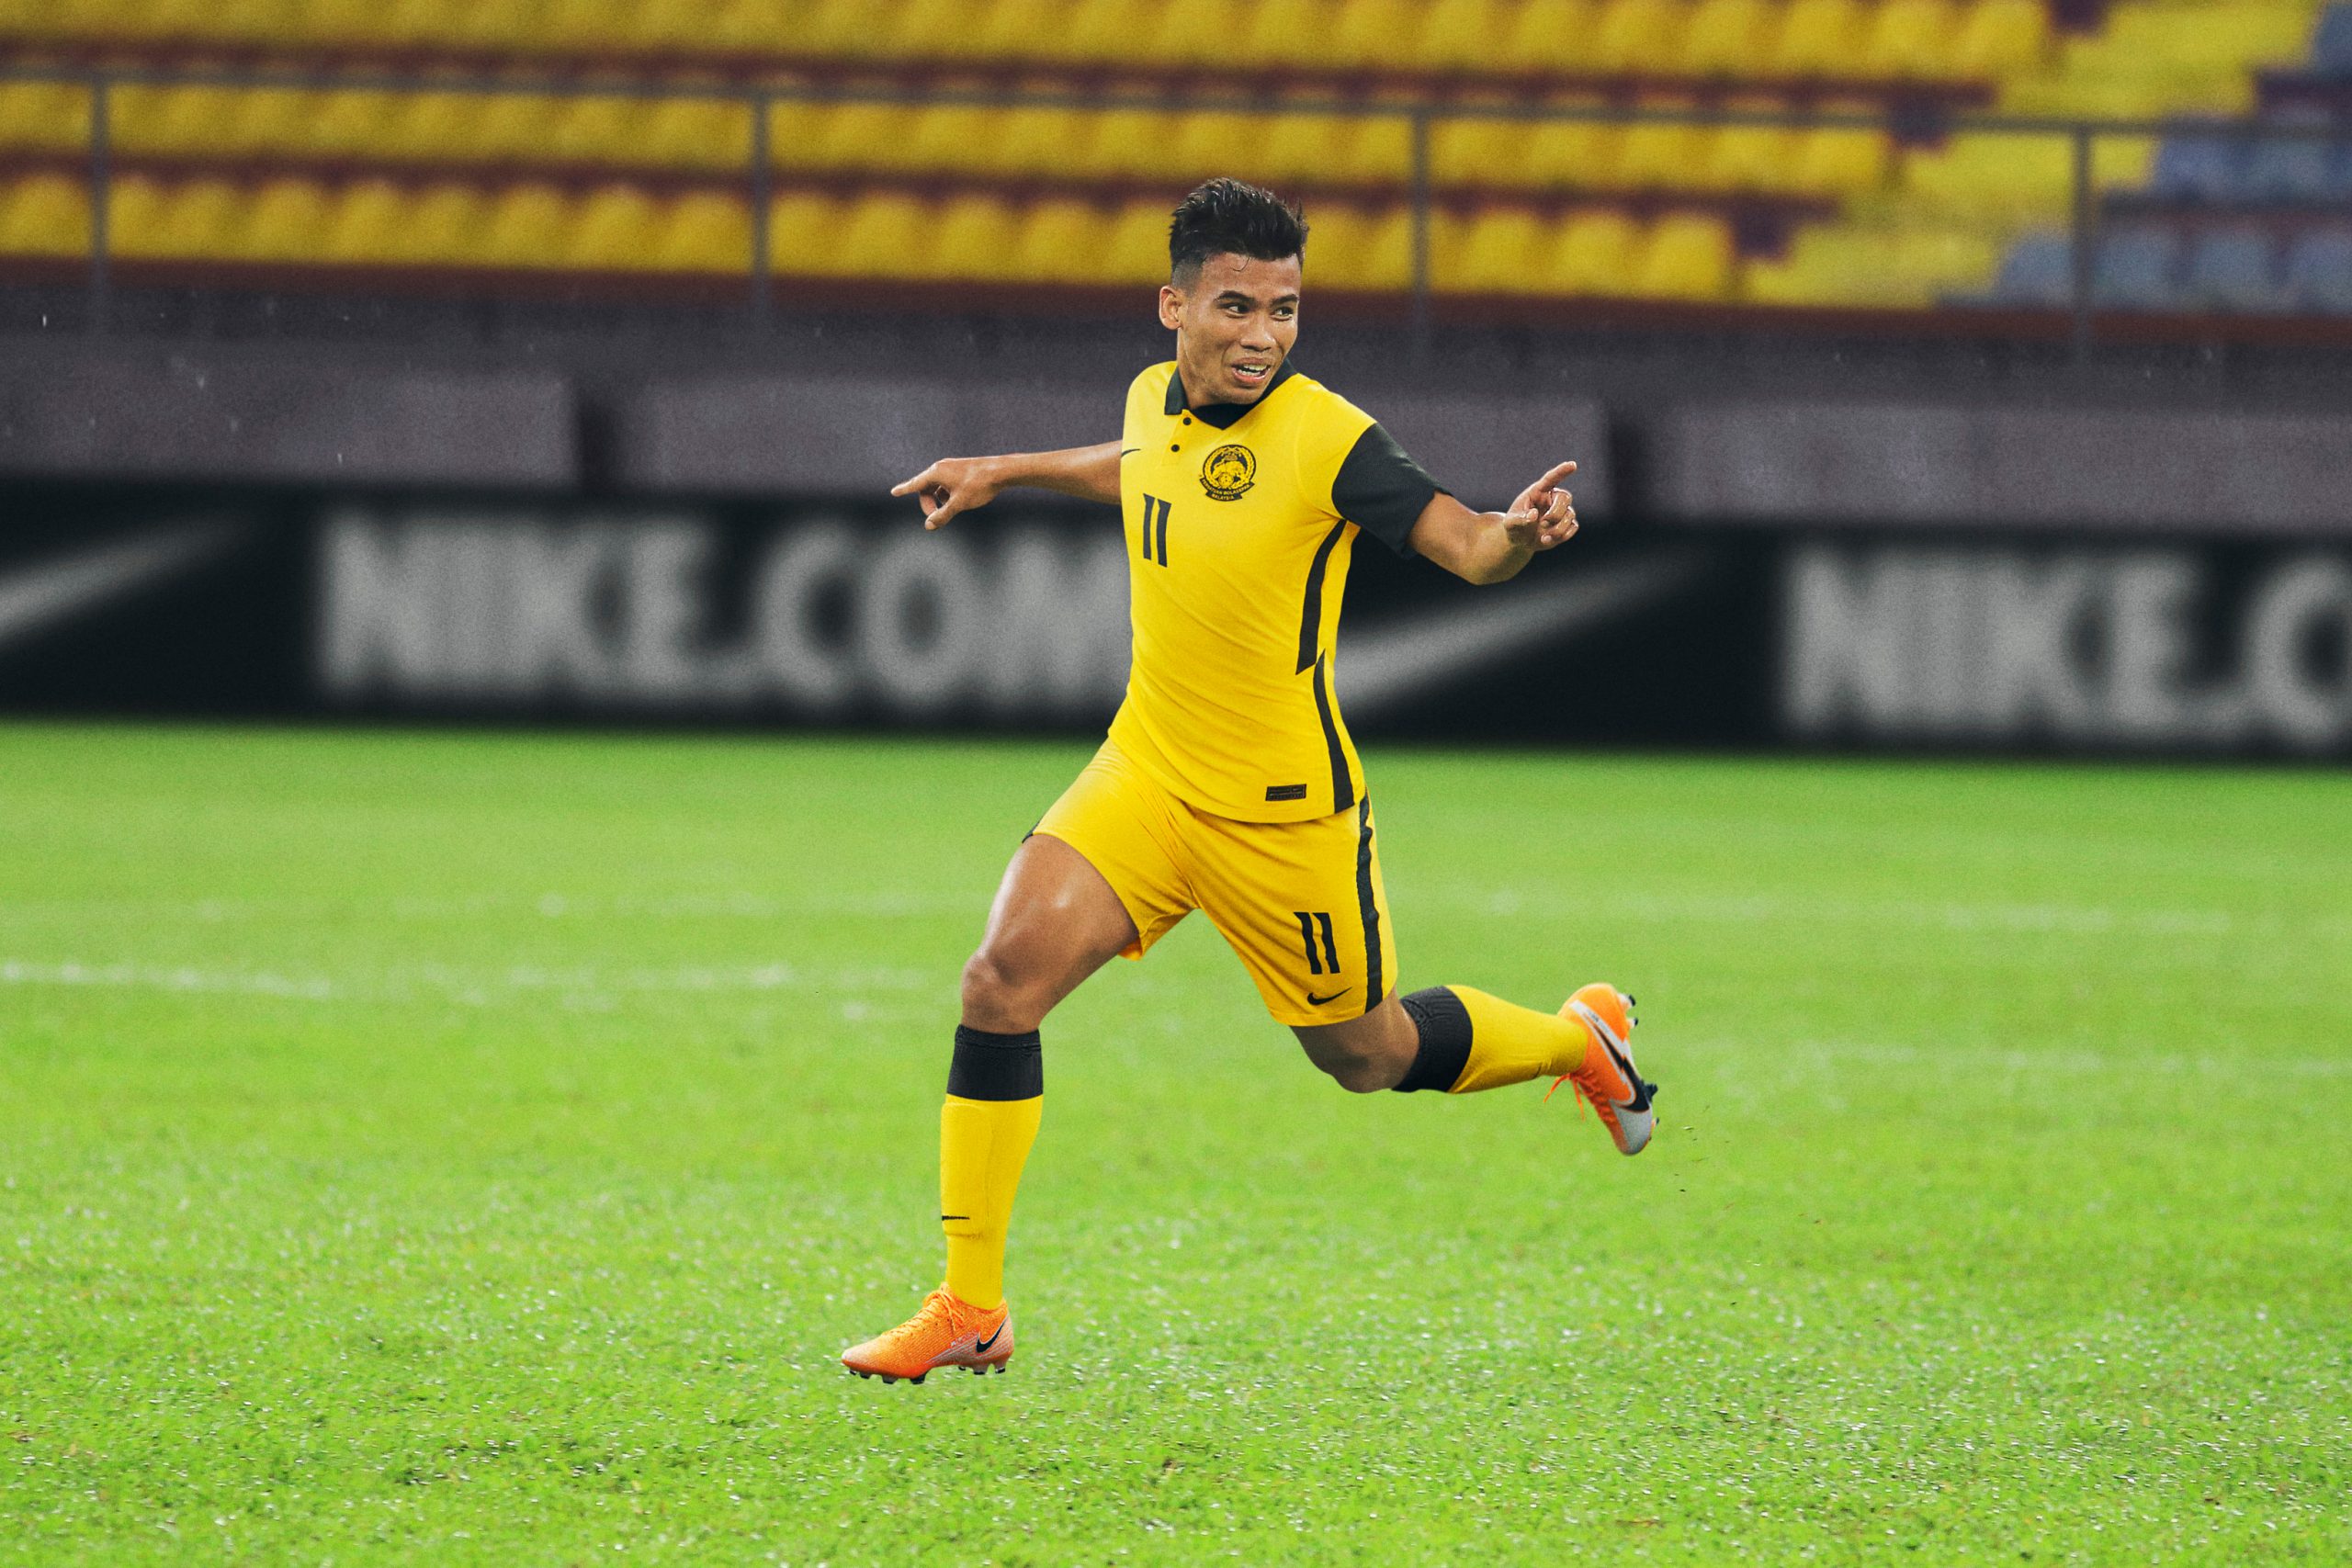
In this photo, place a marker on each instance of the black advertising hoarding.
(390, 605)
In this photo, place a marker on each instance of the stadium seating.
(914, 192)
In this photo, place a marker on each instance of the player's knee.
(999, 998)
(1358, 1071)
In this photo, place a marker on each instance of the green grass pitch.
(476, 1148)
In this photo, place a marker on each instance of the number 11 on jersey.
(1155, 510)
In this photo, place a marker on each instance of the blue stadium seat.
(2135, 268)
(2231, 270)
(2332, 44)
(2319, 271)
(2038, 270)
(2291, 169)
(2198, 168)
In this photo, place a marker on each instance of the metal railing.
(758, 177)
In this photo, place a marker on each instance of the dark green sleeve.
(1382, 490)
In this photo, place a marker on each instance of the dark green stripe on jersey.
(1343, 788)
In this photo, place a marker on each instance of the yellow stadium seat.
(957, 137)
(616, 228)
(1551, 34)
(927, 29)
(1197, 32)
(1840, 161)
(346, 124)
(1913, 40)
(1378, 35)
(1023, 30)
(974, 237)
(1291, 29)
(691, 133)
(799, 134)
(1820, 38)
(1062, 241)
(1370, 149)
(288, 222)
(1128, 143)
(1448, 237)
(1750, 158)
(763, 27)
(1476, 152)
(168, 119)
(1687, 257)
(1304, 147)
(1377, 258)
(370, 226)
(804, 233)
(703, 233)
(136, 209)
(48, 115)
(437, 126)
(271, 121)
(449, 225)
(518, 129)
(1594, 254)
(600, 130)
(1334, 228)
(1039, 142)
(1662, 155)
(1105, 31)
(1999, 39)
(527, 228)
(1642, 37)
(885, 234)
(1137, 249)
(1213, 141)
(1463, 35)
(1572, 154)
(869, 136)
(1500, 253)
(498, 25)
(47, 215)
(838, 29)
(1729, 38)
(206, 219)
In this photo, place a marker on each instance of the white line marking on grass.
(479, 987)
(1982, 1060)
(547, 906)
(2038, 920)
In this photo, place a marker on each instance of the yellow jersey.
(1241, 519)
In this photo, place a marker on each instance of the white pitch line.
(479, 987)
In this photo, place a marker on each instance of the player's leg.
(1323, 968)
(1054, 921)
(1092, 881)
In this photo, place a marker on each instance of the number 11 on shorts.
(1312, 923)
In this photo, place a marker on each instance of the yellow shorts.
(1301, 902)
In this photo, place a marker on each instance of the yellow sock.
(982, 1145)
(1510, 1044)
(996, 1093)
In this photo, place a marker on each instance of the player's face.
(1234, 326)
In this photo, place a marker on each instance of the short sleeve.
(1380, 489)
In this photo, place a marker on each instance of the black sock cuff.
(996, 1066)
(1444, 1024)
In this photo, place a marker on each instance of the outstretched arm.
(959, 484)
(1491, 546)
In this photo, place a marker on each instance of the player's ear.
(1171, 306)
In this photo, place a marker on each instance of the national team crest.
(1229, 473)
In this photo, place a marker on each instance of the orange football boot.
(946, 1333)
(1607, 1080)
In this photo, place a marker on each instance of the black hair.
(1226, 216)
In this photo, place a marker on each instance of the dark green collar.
(1221, 416)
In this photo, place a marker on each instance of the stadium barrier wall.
(380, 604)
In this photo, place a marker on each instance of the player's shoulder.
(1152, 381)
(1329, 426)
